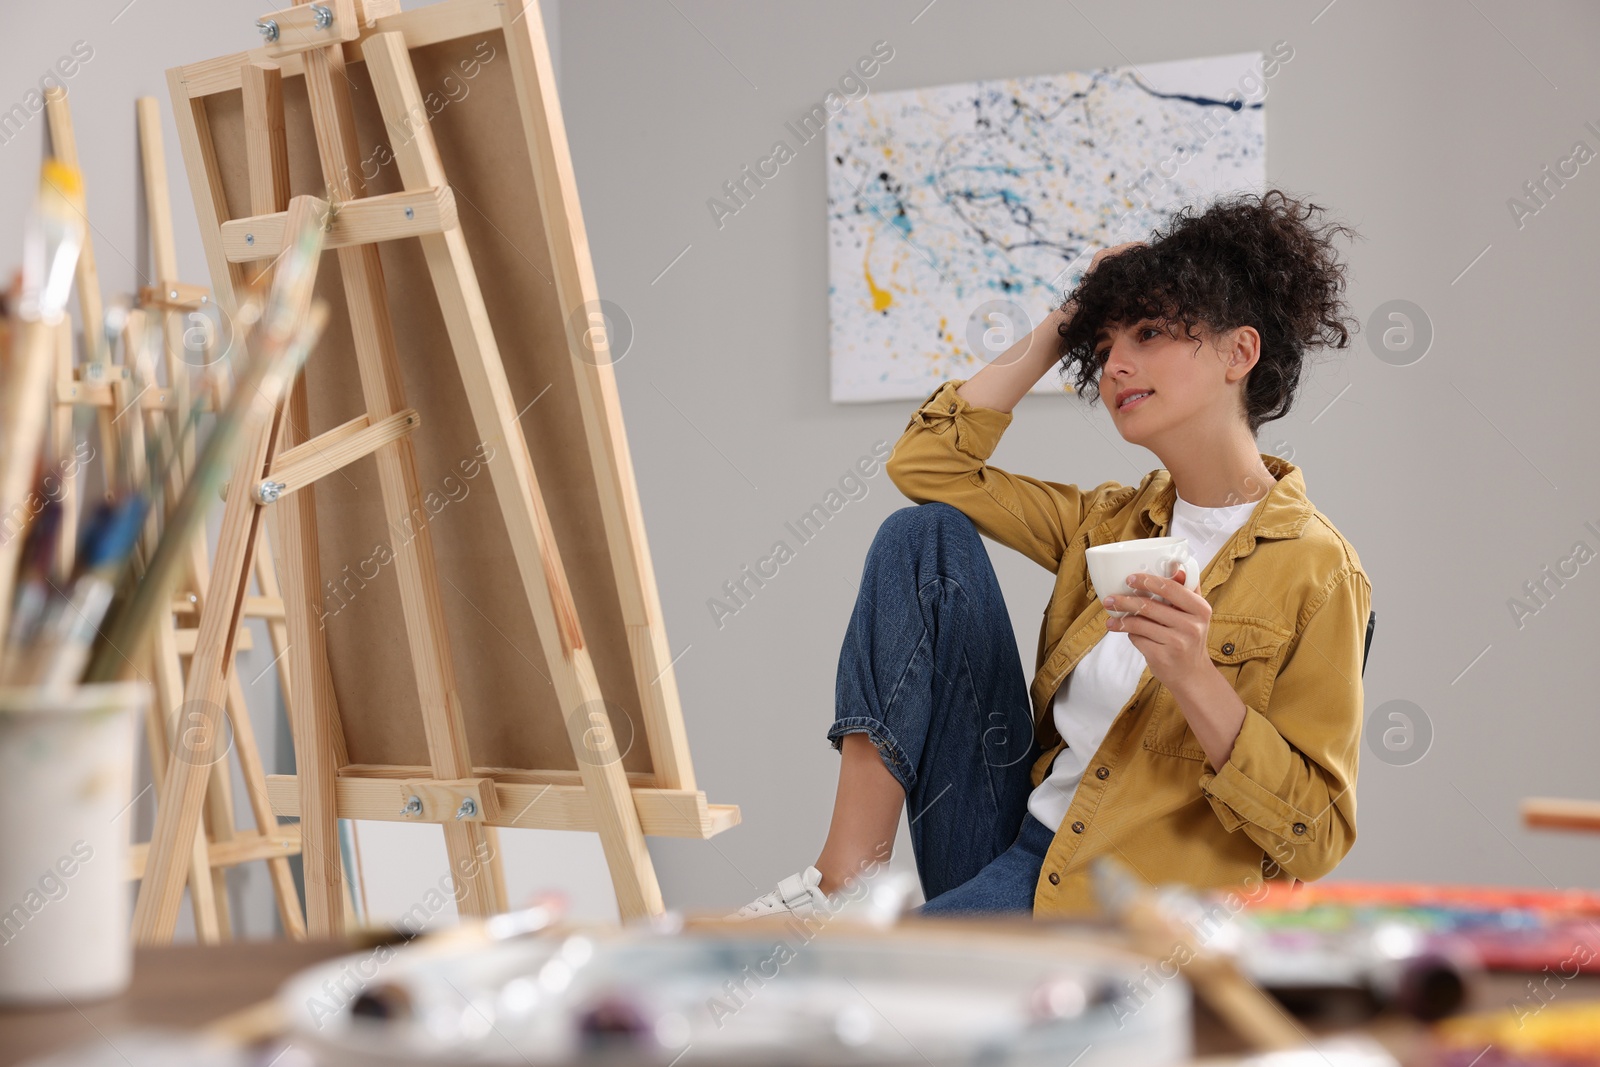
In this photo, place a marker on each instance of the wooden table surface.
(183, 986)
(187, 986)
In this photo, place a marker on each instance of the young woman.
(1211, 739)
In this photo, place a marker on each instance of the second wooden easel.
(269, 841)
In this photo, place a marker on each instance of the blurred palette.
(760, 992)
(1508, 929)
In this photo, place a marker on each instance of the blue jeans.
(929, 671)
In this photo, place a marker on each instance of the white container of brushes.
(66, 784)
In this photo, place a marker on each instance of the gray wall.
(1459, 477)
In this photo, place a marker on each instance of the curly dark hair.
(1246, 260)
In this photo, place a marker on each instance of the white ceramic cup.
(66, 782)
(1110, 565)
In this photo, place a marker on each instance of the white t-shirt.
(1094, 691)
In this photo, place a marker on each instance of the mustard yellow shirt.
(1289, 602)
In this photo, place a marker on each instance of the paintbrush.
(57, 658)
(33, 586)
(52, 241)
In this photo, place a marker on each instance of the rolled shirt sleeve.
(1289, 782)
(943, 455)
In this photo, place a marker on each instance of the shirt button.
(1055, 879)
(1227, 648)
(952, 408)
(1102, 773)
(1299, 827)
(1077, 827)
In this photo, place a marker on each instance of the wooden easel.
(123, 391)
(228, 846)
(347, 682)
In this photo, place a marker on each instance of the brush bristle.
(58, 179)
(56, 233)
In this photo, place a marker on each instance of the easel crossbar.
(387, 217)
(244, 847)
(338, 447)
(662, 812)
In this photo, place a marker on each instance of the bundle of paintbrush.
(53, 626)
(88, 623)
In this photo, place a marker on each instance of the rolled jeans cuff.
(884, 741)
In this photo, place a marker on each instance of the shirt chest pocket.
(1247, 652)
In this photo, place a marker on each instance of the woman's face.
(1191, 382)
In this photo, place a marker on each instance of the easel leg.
(213, 829)
(517, 489)
(164, 725)
(255, 784)
(497, 868)
(311, 701)
(328, 89)
(277, 628)
(217, 827)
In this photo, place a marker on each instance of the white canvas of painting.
(960, 215)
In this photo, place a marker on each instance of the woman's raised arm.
(1005, 380)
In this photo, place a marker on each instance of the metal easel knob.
(468, 808)
(268, 28)
(322, 16)
(269, 491)
(413, 806)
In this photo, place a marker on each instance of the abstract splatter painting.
(960, 215)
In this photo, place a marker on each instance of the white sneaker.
(798, 894)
